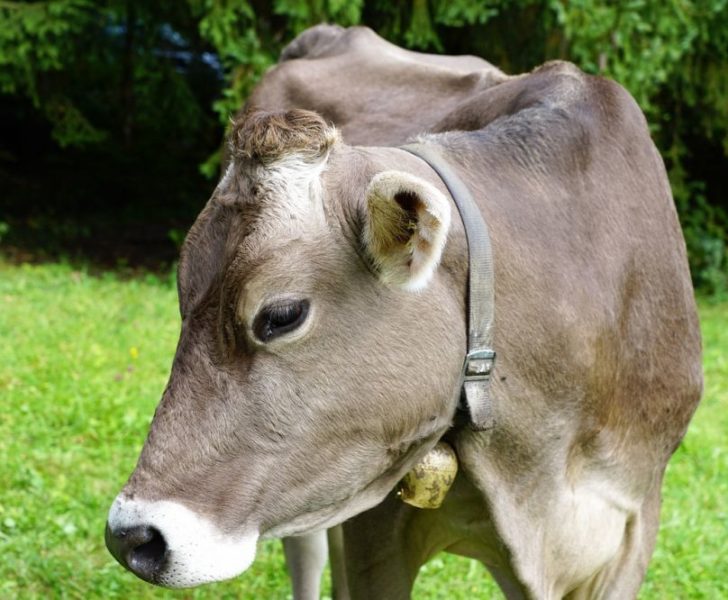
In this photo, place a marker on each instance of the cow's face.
(318, 359)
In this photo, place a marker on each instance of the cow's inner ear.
(406, 228)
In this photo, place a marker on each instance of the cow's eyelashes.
(276, 319)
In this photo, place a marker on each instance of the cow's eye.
(276, 319)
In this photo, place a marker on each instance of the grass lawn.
(83, 361)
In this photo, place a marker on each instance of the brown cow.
(322, 292)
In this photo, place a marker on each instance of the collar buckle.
(478, 365)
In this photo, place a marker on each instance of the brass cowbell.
(427, 484)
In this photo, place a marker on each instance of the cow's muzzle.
(140, 549)
(166, 543)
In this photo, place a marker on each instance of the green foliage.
(637, 42)
(231, 28)
(460, 13)
(83, 363)
(37, 40)
(107, 75)
(84, 64)
(705, 227)
(106, 112)
(37, 37)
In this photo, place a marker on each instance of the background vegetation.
(86, 361)
(113, 110)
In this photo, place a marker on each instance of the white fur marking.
(198, 551)
(299, 183)
(292, 201)
(226, 179)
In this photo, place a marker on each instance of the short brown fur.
(265, 137)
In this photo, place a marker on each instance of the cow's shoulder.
(606, 102)
(555, 99)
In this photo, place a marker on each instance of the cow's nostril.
(140, 549)
(147, 558)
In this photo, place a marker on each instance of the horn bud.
(429, 481)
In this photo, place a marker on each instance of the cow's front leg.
(337, 563)
(380, 563)
(305, 559)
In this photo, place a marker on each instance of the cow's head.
(319, 355)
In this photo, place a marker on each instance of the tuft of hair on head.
(266, 137)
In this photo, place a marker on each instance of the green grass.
(83, 361)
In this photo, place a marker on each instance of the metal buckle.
(478, 365)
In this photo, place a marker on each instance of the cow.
(324, 299)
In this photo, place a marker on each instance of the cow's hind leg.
(306, 558)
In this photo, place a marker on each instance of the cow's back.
(376, 93)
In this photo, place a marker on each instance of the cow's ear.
(406, 228)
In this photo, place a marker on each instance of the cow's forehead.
(280, 203)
